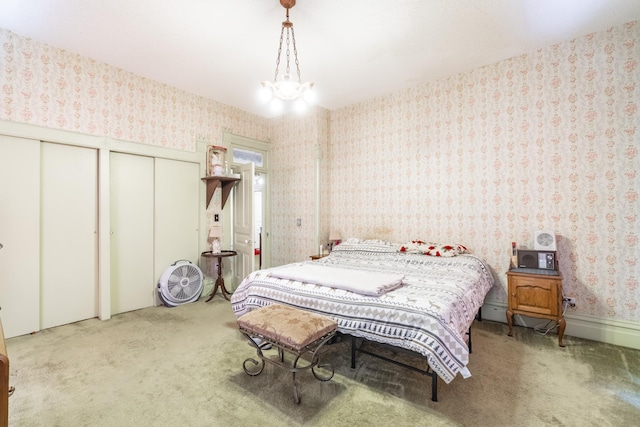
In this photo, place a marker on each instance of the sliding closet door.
(69, 202)
(131, 199)
(19, 235)
(177, 213)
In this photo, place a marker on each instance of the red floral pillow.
(434, 249)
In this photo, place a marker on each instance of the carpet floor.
(182, 366)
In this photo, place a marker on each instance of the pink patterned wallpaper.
(47, 86)
(547, 140)
(297, 141)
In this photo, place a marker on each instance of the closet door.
(69, 202)
(19, 235)
(177, 189)
(131, 203)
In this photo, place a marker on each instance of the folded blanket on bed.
(361, 282)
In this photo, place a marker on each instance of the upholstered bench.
(288, 329)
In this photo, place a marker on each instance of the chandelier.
(286, 88)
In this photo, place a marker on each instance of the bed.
(429, 312)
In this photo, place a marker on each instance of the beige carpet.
(183, 367)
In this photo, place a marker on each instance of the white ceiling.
(352, 49)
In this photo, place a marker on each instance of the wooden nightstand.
(535, 295)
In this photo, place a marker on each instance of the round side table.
(220, 280)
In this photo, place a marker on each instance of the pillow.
(434, 249)
(356, 240)
(371, 245)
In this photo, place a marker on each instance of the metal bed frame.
(428, 371)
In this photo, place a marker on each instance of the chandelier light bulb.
(287, 87)
(299, 106)
(276, 105)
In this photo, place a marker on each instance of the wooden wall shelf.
(226, 182)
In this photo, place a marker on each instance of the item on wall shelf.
(215, 234)
(216, 160)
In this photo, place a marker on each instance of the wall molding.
(60, 136)
(616, 332)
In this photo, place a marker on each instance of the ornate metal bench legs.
(314, 347)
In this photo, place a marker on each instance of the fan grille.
(180, 284)
(184, 282)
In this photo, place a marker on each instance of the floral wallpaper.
(47, 86)
(546, 140)
(299, 143)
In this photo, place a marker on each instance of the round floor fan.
(181, 283)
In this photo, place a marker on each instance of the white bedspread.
(358, 281)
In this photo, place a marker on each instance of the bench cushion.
(286, 325)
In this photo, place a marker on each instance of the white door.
(19, 235)
(132, 225)
(177, 190)
(69, 234)
(243, 223)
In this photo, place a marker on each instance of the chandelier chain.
(295, 55)
(288, 52)
(288, 24)
(279, 52)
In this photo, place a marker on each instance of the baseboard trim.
(617, 332)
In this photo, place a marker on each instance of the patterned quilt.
(429, 314)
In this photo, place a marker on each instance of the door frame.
(244, 223)
(105, 146)
(231, 141)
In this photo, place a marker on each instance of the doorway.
(240, 152)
